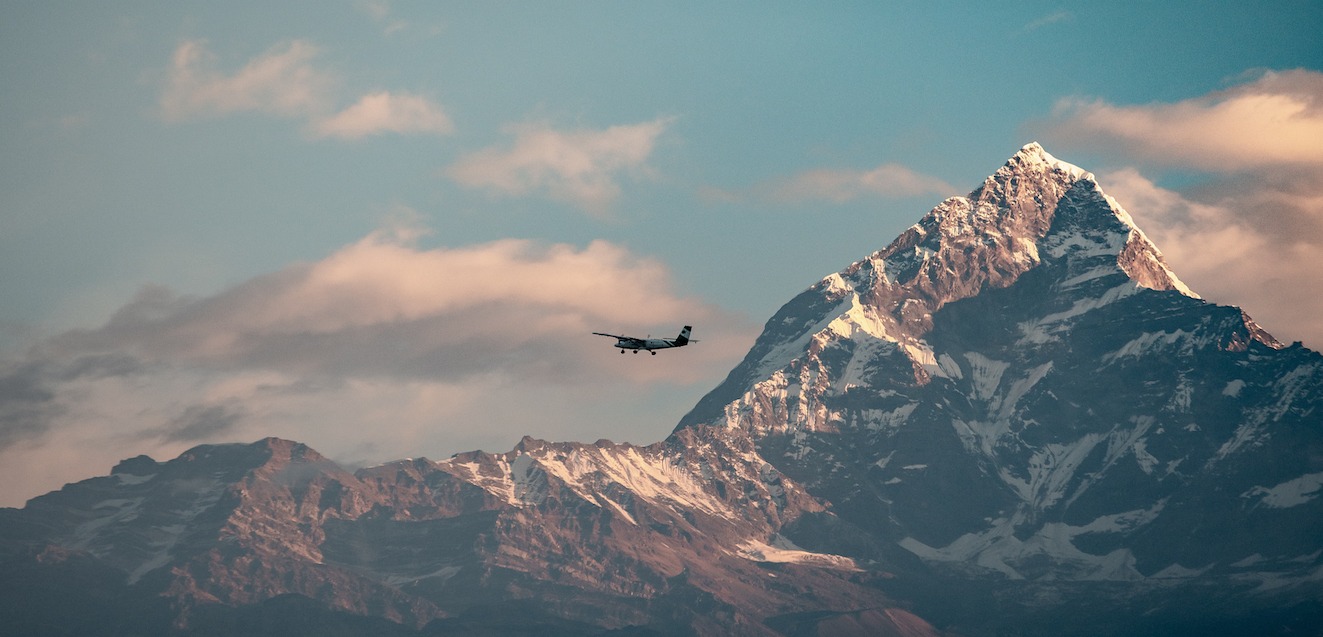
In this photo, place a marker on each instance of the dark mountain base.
(1072, 609)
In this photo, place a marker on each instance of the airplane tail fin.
(683, 338)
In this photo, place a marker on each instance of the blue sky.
(385, 228)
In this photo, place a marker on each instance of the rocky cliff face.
(1014, 418)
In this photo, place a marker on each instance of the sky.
(388, 229)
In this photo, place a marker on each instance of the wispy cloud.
(285, 81)
(380, 10)
(202, 422)
(385, 112)
(840, 185)
(582, 167)
(281, 81)
(27, 403)
(1055, 17)
(383, 13)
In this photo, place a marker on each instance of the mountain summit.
(1035, 212)
(1019, 392)
(1015, 418)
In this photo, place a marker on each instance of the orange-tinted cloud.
(1275, 121)
(385, 112)
(350, 311)
(581, 167)
(282, 81)
(842, 185)
(285, 81)
(837, 185)
(1228, 258)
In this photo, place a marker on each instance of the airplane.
(650, 344)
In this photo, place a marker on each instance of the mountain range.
(1015, 419)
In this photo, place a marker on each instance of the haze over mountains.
(1014, 419)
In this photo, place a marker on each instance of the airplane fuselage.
(646, 343)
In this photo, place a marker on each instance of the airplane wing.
(620, 337)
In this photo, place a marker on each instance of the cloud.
(1228, 257)
(839, 185)
(285, 82)
(1284, 205)
(842, 185)
(1244, 225)
(384, 307)
(202, 422)
(382, 13)
(581, 167)
(1049, 19)
(385, 112)
(27, 404)
(380, 10)
(380, 350)
(282, 81)
(29, 398)
(1273, 122)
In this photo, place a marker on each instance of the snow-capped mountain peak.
(1033, 156)
(1036, 213)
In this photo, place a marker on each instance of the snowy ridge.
(685, 481)
(162, 522)
(782, 550)
(585, 470)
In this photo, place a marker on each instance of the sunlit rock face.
(1014, 418)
